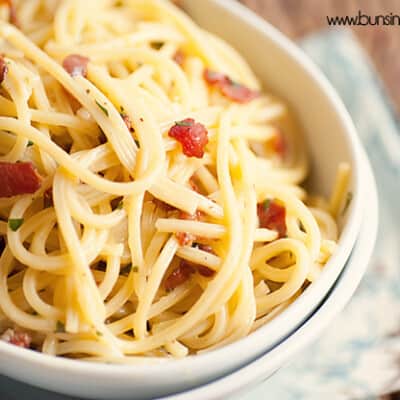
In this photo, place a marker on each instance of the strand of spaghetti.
(90, 302)
(66, 161)
(297, 278)
(116, 131)
(147, 296)
(203, 229)
(20, 94)
(13, 312)
(203, 306)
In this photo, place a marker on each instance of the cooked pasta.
(150, 198)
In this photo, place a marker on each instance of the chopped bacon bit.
(179, 275)
(3, 69)
(18, 178)
(229, 88)
(179, 57)
(76, 65)
(12, 12)
(128, 122)
(183, 272)
(191, 217)
(185, 238)
(206, 248)
(192, 135)
(279, 144)
(205, 271)
(20, 339)
(272, 216)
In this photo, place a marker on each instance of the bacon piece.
(206, 248)
(205, 271)
(76, 65)
(183, 273)
(229, 88)
(179, 275)
(20, 339)
(192, 135)
(179, 57)
(272, 216)
(3, 69)
(13, 11)
(18, 178)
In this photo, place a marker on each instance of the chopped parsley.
(120, 205)
(102, 108)
(15, 223)
(30, 143)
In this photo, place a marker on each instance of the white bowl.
(265, 366)
(331, 138)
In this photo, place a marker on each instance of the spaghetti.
(150, 201)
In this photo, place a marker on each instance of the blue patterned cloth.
(359, 356)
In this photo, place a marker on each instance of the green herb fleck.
(266, 204)
(349, 198)
(120, 205)
(122, 109)
(15, 223)
(30, 143)
(184, 123)
(98, 333)
(60, 327)
(102, 108)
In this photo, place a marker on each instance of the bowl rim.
(346, 241)
(331, 306)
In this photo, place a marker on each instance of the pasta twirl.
(151, 201)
